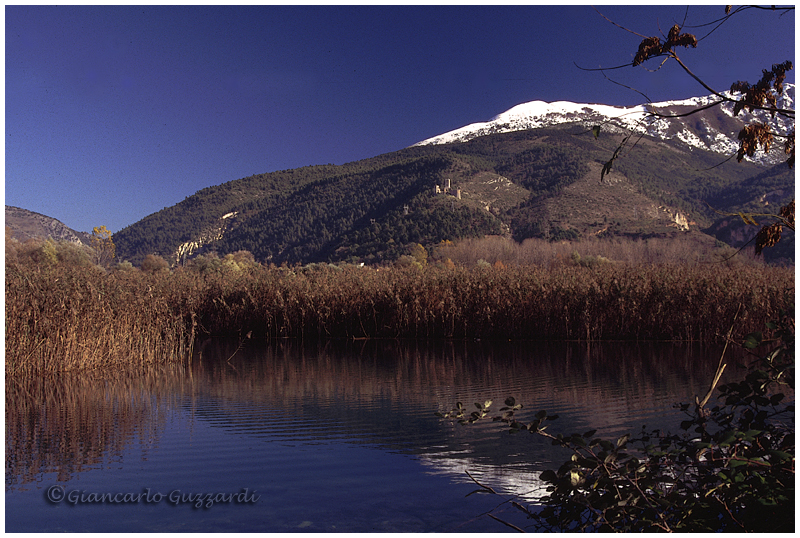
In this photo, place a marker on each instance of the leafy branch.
(732, 469)
(760, 96)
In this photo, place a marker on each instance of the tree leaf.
(748, 219)
(549, 476)
(606, 169)
(782, 456)
(753, 340)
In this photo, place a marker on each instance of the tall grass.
(660, 302)
(63, 317)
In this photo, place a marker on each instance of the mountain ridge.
(534, 183)
(24, 224)
(533, 172)
(715, 129)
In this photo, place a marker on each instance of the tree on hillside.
(419, 253)
(103, 245)
(762, 96)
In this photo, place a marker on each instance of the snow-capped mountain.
(715, 129)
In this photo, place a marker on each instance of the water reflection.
(72, 423)
(270, 413)
(339, 386)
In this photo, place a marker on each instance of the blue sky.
(113, 113)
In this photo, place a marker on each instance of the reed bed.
(64, 318)
(672, 302)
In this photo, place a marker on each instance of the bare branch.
(716, 165)
(628, 87)
(505, 523)
(487, 488)
(698, 79)
(617, 25)
(683, 115)
(623, 66)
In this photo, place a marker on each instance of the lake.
(338, 436)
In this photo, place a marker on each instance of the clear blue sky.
(113, 113)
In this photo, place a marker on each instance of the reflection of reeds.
(83, 419)
(63, 318)
(70, 423)
(286, 371)
(308, 379)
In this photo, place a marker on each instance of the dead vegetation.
(63, 316)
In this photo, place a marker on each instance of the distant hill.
(26, 225)
(526, 183)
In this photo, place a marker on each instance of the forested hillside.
(541, 183)
(335, 218)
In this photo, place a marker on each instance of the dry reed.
(60, 317)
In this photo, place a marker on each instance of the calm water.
(325, 437)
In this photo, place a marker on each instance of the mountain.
(715, 129)
(25, 225)
(533, 171)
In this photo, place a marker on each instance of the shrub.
(75, 254)
(587, 261)
(124, 266)
(732, 471)
(154, 264)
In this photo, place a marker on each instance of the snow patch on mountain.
(715, 129)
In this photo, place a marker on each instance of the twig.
(720, 367)
(619, 26)
(716, 165)
(241, 341)
(506, 523)
(487, 488)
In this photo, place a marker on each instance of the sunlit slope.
(535, 183)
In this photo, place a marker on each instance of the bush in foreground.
(732, 471)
